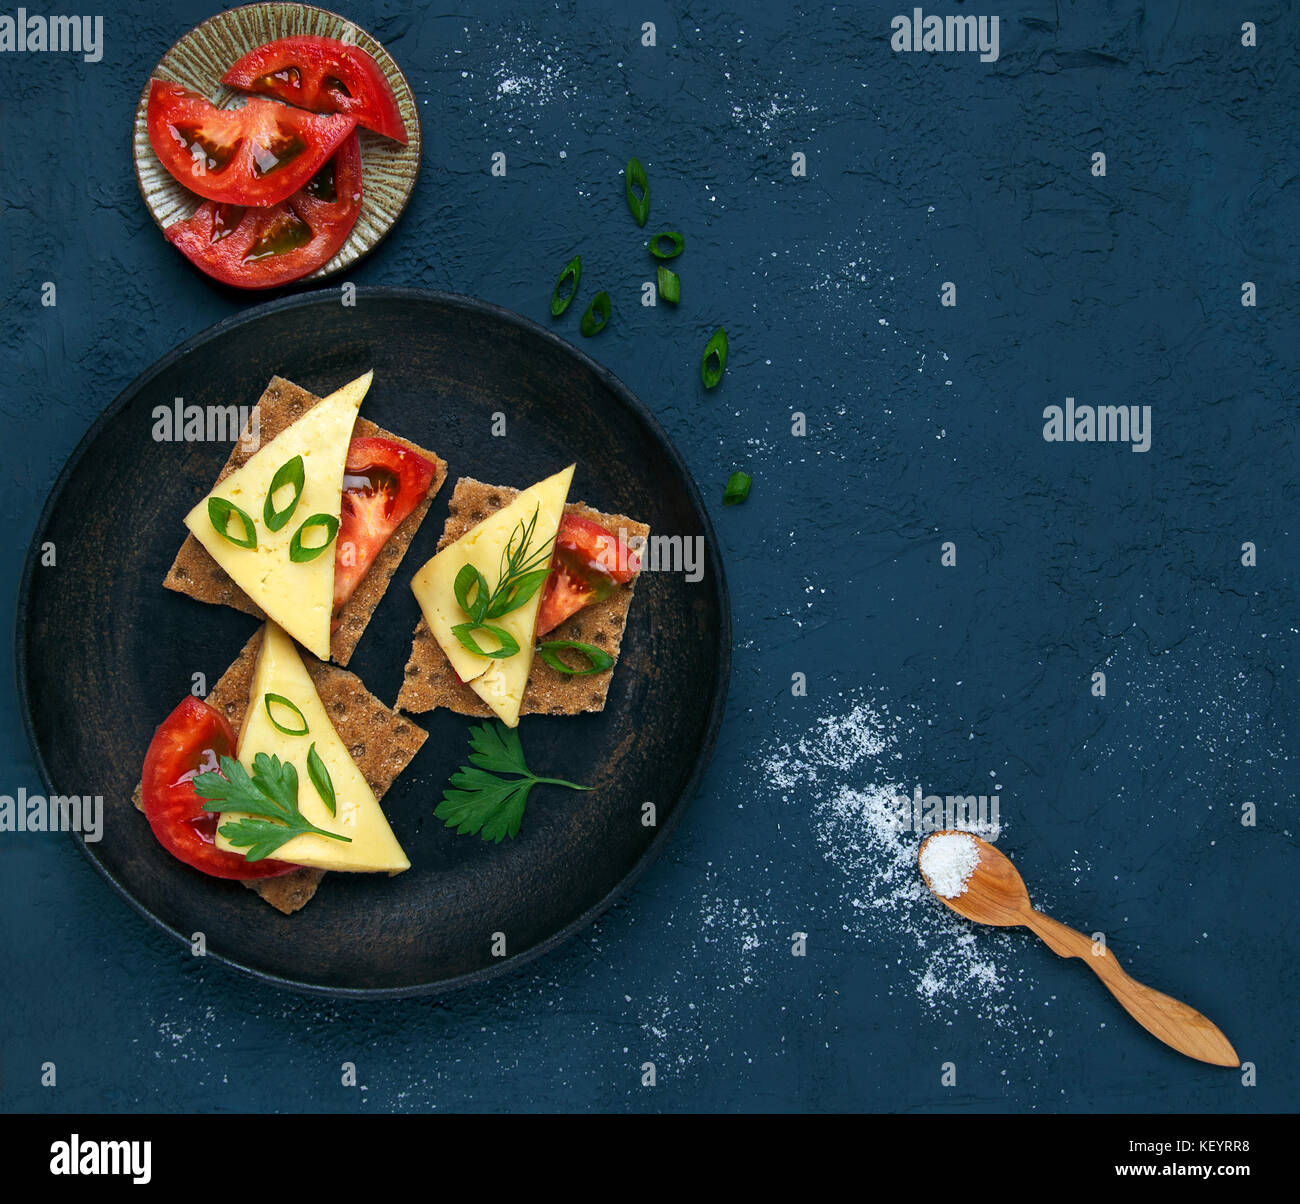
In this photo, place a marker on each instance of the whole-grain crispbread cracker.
(381, 742)
(431, 682)
(196, 574)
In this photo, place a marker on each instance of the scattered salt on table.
(947, 861)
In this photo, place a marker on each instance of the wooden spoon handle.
(1174, 1023)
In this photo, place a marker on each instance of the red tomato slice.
(263, 248)
(588, 565)
(564, 594)
(382, 483)
(258, 155)
(189, 742)
(324, 75)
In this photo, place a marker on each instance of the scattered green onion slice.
(640, 205)
(464, 632)
(467, 579)
(571, 269)
(291, 472)
(599, 308)
(220, 512)
(670, 285)
(300, 552)
(599, 658)
(320, 778)
(715, 359)
(737, 489)
(658, 252)
(281, 700)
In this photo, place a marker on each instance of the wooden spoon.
(996, 894)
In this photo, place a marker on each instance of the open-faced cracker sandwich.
(276, 776)
(309, 518)
(518, 573)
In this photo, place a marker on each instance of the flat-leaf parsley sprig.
(269, 800)
(477, 800)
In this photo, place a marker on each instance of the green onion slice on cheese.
(508, 645)
(320, 778)
(300, 552)
(220, 512)
(281, 701)
(290, 473)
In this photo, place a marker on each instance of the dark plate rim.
(625, 395)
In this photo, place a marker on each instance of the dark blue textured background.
(923, 426)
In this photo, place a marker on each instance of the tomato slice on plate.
(383, 482)
(189, 742)
(258, 155)
(265, 247)
(589, 564)
(324, 75)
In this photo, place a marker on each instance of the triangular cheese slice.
(299, 596)
(500, 683)
(373, 846)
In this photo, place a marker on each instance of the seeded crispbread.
(196, 574)
(431, 682)
(381, 742)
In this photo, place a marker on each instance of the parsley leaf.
(269, 800)
(477, 800)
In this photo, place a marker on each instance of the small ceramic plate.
(205, 54)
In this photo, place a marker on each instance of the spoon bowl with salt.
(979, 882)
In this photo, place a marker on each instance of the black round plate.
(104, 652)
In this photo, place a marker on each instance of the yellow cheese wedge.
(500, 683)
(357, 815)
(299, 596)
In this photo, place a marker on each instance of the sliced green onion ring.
(281, 700)
(291, 472)
(572, 269)
(300, 552)
(598, 309)
(679, 244)
(639, 204)
(715, 359)
(464, 632)
(220, 513)
(737, 489)
(320, 778)
(670, 286)
(599, 658)
(468, 578)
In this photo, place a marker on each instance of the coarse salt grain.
(948, 859)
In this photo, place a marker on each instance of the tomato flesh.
(588, 565)
(383, 481)
(190, 741)
(325, 76)
(267, 247)
(258, 155)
